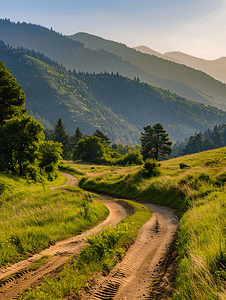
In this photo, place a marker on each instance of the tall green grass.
(105, 249)
(32, 218)
(198, 195)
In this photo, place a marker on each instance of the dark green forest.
(202, 141)
(111, 56)
(116, 105)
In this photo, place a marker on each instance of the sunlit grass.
(102, 254)
(32, 218)
(198, 195)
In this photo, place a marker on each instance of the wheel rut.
(146, 271)
(144, 264)
(22, 278)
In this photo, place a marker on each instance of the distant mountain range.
(86, 52)
(215, 68)
(117, 105)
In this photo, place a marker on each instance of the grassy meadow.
(198, 196)
(32, 216)
(105, 249)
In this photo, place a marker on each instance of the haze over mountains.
(215, 68)
(115, 104)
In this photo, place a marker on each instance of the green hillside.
(117, 105)
(112, 56)
(183, 80)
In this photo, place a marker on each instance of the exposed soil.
(148, 269)
(60, 251)
(146, 272)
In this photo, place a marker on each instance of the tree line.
(96, 148)
(23, 149)
(210, 139)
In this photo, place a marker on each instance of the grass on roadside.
(33, 218)
(198, 195)
(105, 249)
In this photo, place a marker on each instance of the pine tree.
(155, 142)
(59, 134)
(77, 136)
(217, 139)
(103, 137)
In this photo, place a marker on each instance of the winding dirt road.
(60, 252)
(146, 272)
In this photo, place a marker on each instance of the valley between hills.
(115, 225)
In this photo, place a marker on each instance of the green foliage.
(77, 137)
(89, 149)
(20, 137)
(35, 218)
(155, 142)
(150, 169)
(11, 95)
(102, 254)
(60, 135)
(49, 155)
(92, 149)
(85, 203)
(198, 195)
(131, 158)
(101, 101)
(103, 136)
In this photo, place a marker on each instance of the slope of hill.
(114, 104)
(180, 79)
(215, 68)
(147, 50)
(115, 57)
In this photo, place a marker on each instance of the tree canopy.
(155, 142)
(59, 134)
(12, 98)
(20, 138)
(102, 135)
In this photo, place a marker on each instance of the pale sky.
(195, 27)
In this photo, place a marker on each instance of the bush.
(130, 158)
(151, 168)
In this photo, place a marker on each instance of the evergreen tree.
(195, 144)
(103, 137)
(77, 137)
(146, 138)
(12, 97)
(217, 139)
(155, 142)
(59, 134)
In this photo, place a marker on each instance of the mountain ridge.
(117, 105)
(180, 79)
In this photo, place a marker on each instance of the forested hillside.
(112, 56)
(117, 105)
(185, 81)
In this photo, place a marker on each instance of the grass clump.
(198, 196)
(35, 218)
(105, 249)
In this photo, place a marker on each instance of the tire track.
(23, 278)
(137, 274)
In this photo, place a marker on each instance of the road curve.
(60, 252)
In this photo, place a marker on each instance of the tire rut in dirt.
(147, 244)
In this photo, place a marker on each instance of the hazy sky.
(196, 27)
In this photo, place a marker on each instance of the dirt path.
(148, 265)
(60, 252)
(147, 271)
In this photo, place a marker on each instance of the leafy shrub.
(150, 168)
(130, 158)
